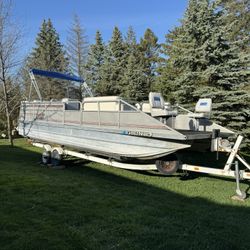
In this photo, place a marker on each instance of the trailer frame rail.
(226, 171)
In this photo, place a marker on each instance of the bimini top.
(53, 74)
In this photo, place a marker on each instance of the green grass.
(92, 206)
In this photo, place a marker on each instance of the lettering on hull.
(138, 133)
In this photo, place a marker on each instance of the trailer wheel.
(168, 165)
(46, 157)
(56, 156)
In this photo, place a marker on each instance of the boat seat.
(156, 100)
(203, 109)
(158, 107)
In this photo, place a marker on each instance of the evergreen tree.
(167, 71)
(113, 66)
(237, 14)
(95, 62)
(149, 49)
(130, 41)
(134, 81)
(228, 72)
(49, 55)
(127, 67)
(202, 61)
(184, 46)
(77, 51)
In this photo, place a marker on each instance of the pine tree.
(113, 66)
(237, 14)
(105, 86)
(95, 62)
(134, 81)
(202, 61)
(184, 50)
(49, 55)
(167, 70)
(77, 51)
(228, 74)
(130, 41)
(149, 48)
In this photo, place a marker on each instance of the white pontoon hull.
(103, 142)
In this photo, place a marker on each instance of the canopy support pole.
(34, 83)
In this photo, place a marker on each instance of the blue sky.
(159, 15)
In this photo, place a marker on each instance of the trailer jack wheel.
(168, 166)
(240, 195)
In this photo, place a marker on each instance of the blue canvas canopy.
(53, 74)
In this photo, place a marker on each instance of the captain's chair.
(156, 100)
(157, 106)
(203, 109)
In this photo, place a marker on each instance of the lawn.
(92, 206)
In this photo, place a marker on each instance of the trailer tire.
(56, 156)
(168, 165)
(46, 157)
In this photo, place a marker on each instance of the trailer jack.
(240, 195)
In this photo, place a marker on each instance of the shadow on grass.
(88, 206)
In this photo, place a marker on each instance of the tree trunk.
(7, 111)
(9, 40)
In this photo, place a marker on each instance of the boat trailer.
(55, 154)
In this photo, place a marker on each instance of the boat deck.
(192, 135)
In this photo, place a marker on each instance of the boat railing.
(108, 112)
(115, 113)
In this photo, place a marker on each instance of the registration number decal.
(138, 133)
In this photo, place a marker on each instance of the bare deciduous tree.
(77, 50)
(10, 37)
